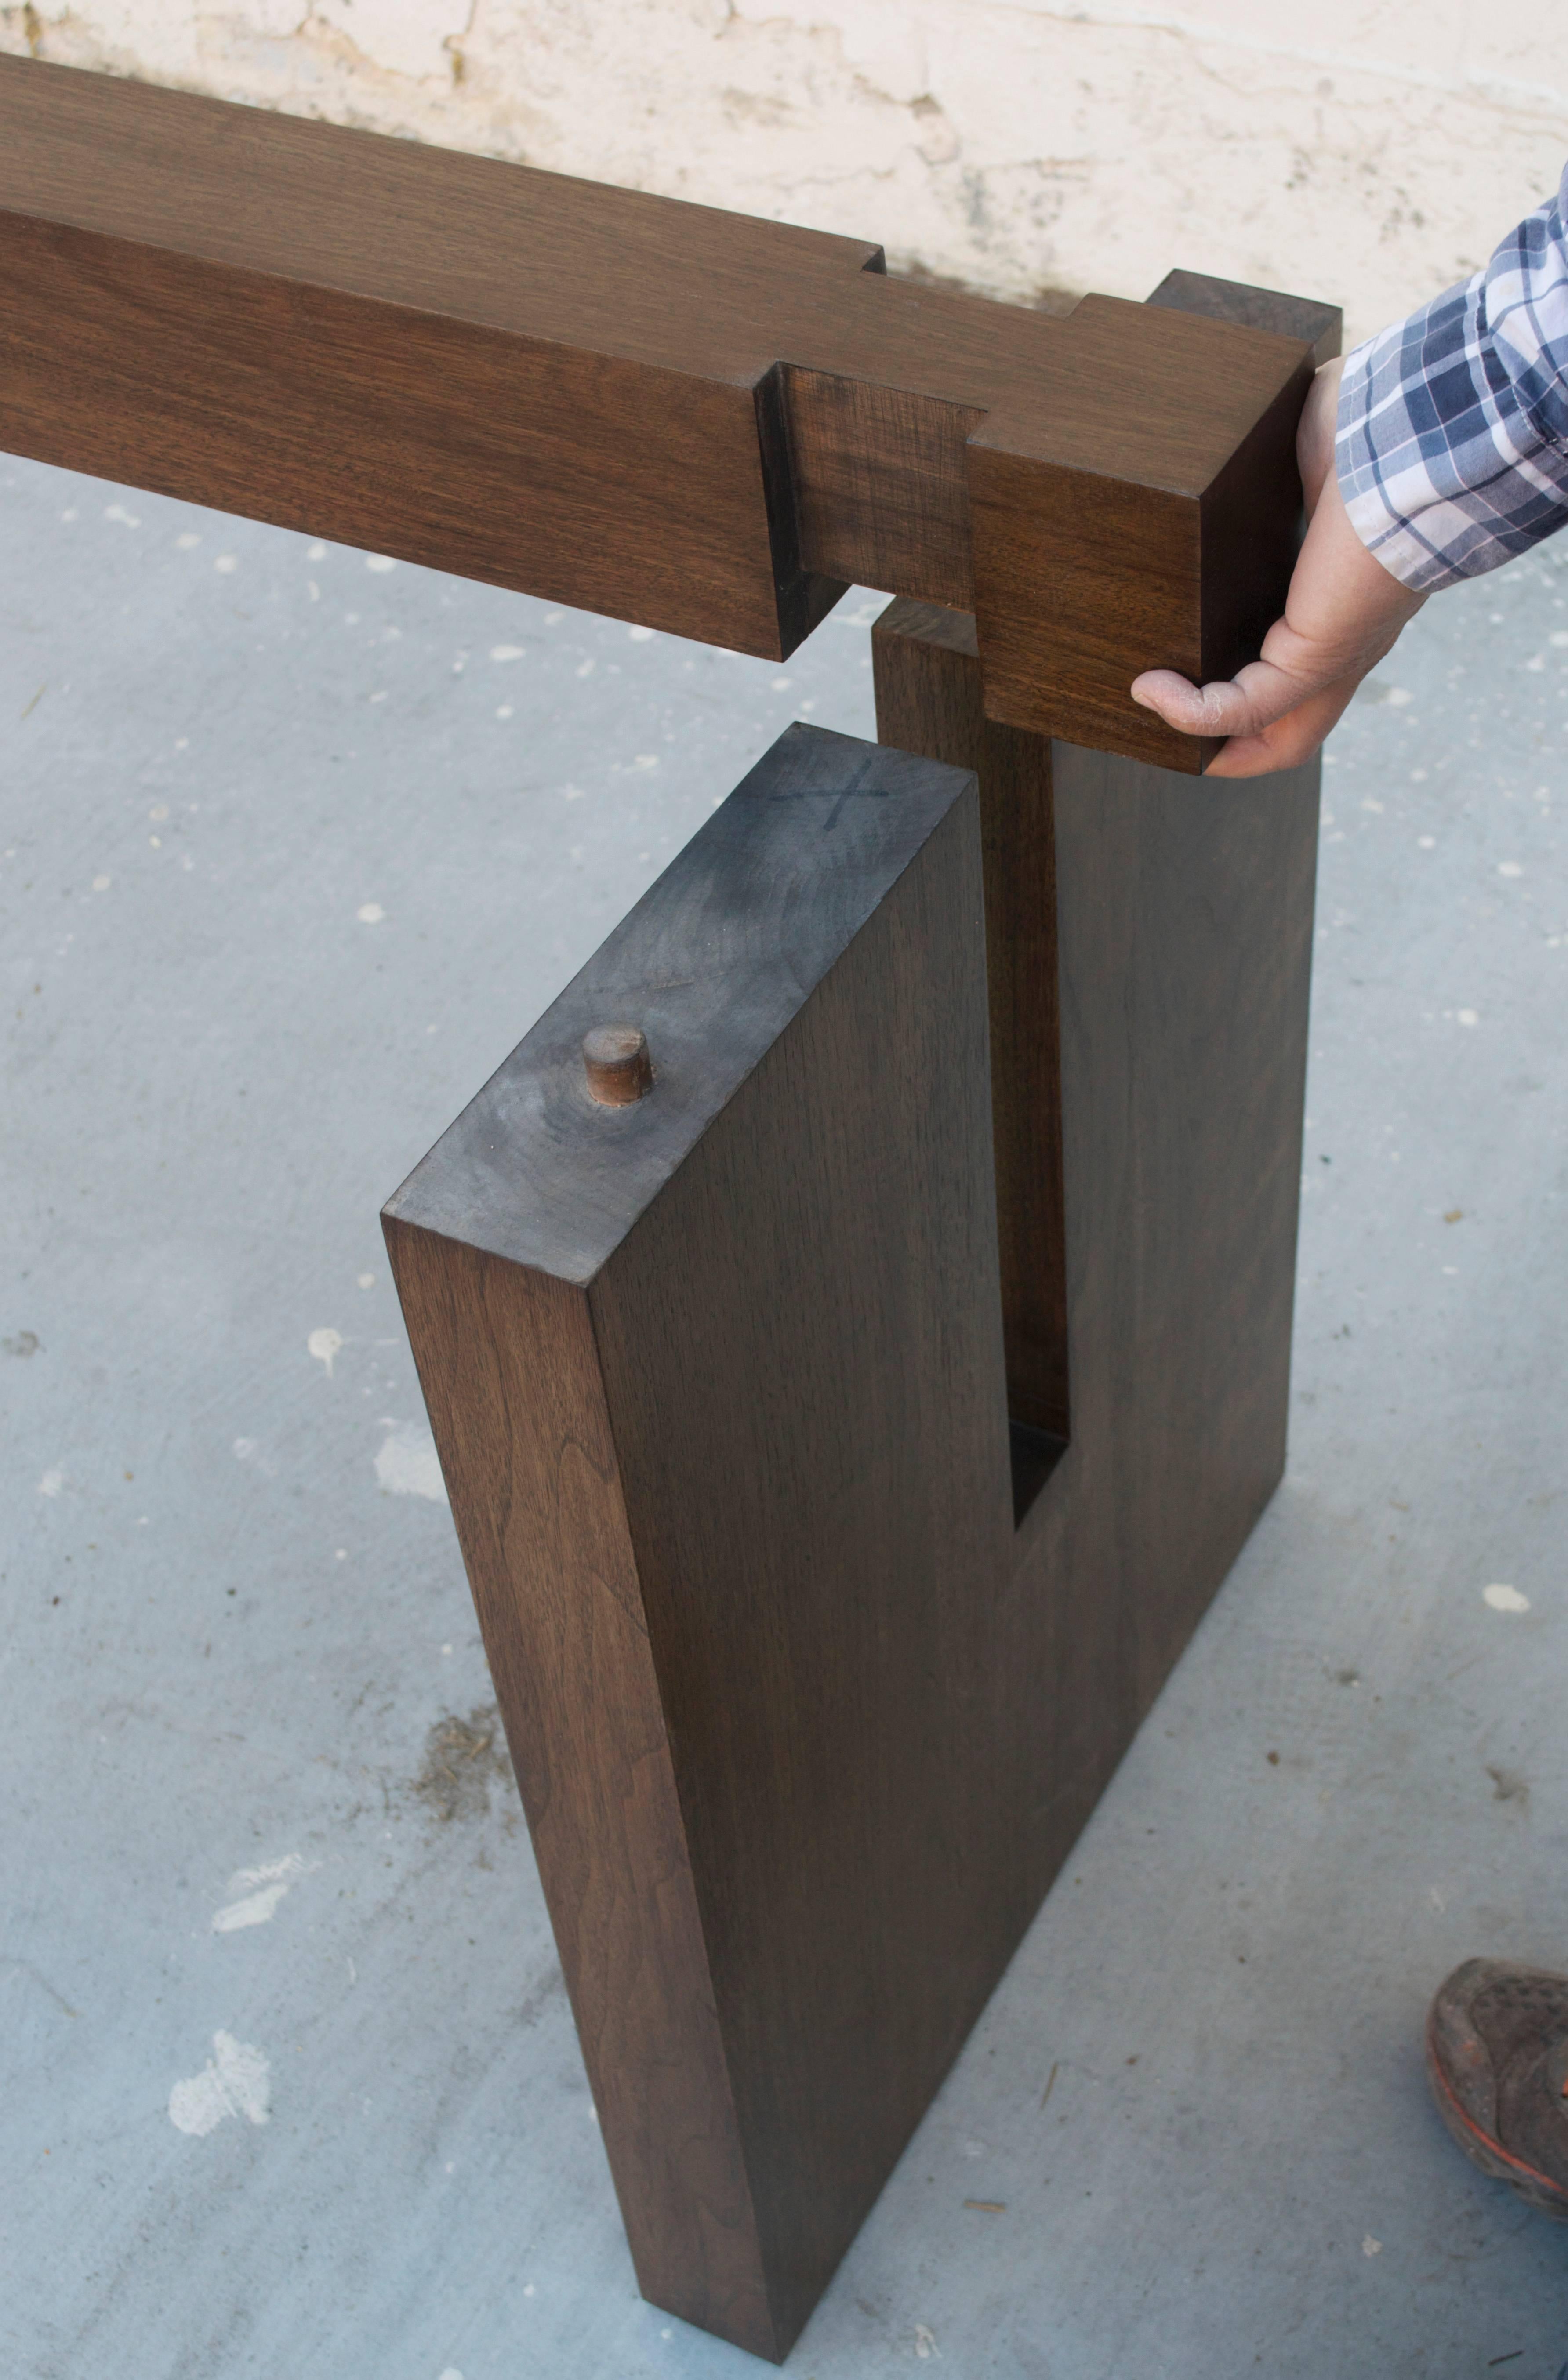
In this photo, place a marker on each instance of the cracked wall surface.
(1370, 154)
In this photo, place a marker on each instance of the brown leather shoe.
(1497, 2058)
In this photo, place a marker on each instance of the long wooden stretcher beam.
(699, 420)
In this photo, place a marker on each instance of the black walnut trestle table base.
(856, 1321)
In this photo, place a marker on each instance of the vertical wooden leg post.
(930, 701)
(820, 1612)
(716, 1377)
(1150, 952)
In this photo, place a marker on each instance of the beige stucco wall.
(1369, 150)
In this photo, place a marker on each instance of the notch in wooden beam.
(689, 419)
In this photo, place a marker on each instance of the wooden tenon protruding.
(698, 421)
(929, 699)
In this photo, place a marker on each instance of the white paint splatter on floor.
(924, 2344)
(408, 1464)
(51, 1483)
(235, 2080)
(263, 1890)
(371, 912)
(1505, 1598)
(324, 1344)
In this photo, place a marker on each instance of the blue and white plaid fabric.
(1452, 438)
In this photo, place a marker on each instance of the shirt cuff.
(1447, 462)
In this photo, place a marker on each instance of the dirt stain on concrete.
(463, 1758)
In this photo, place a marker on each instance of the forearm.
(1451, 445)
(1443, 452)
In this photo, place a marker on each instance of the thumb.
(1244, 705)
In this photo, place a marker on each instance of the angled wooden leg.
(807, 1701)
(716, 1378)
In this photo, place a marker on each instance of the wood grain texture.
(661, 411)
(813, 1438)
(1185, 917)
(931, 700)
(809, 1678)
(517, 1402)
(782, 1613)
(886, 1704)
(1261, 309)
(1183, 921)
(717, 1385)
(1251, 512)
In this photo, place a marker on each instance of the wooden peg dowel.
(618, 1067)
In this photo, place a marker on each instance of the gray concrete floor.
(295, 848)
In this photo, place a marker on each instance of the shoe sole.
(1536, 2188)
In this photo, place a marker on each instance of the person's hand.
(1342, 613)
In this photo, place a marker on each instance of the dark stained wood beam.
(716, 1380)
(806, 1702)
(1260, 310)
(691, 419)
(851, 1399)
(930, 701)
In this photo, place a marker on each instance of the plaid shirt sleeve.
(1452, 445)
